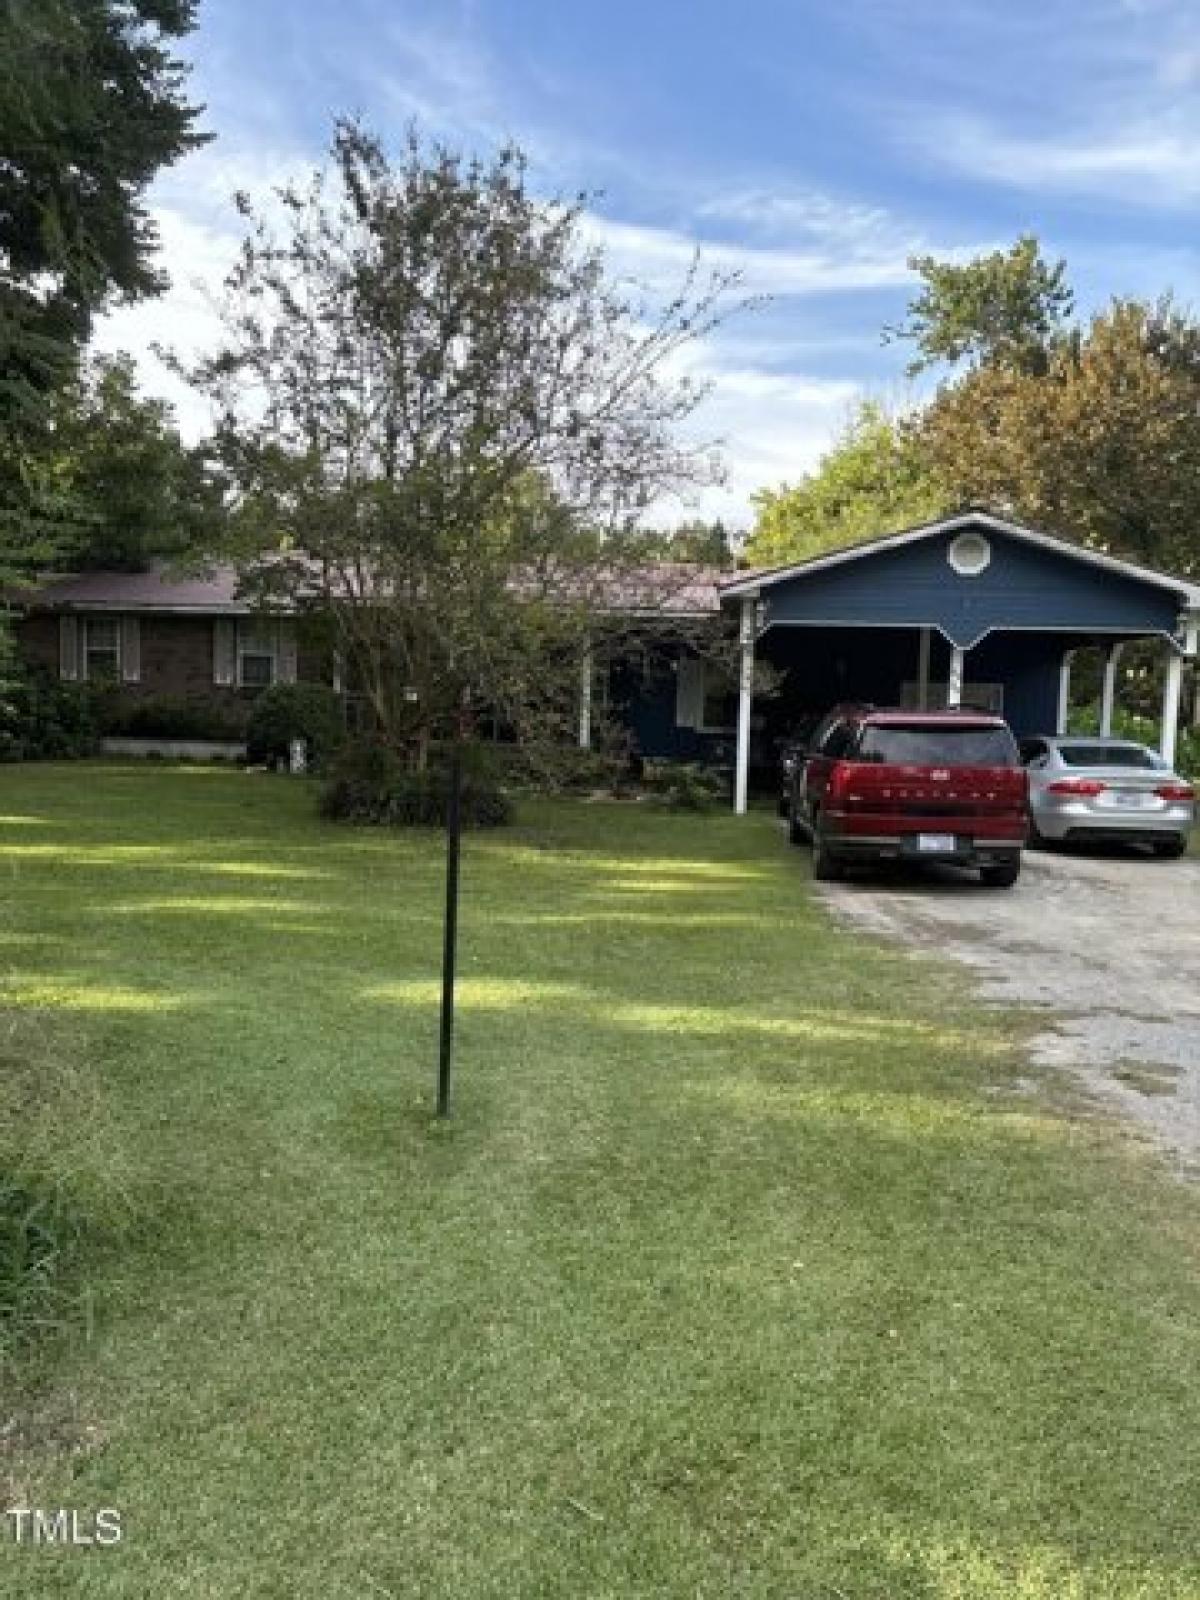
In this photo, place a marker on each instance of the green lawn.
(745, 1269)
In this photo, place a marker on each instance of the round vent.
(969, 554)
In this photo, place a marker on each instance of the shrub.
(686, 785)
(369, 784)
(288, 711)
(559, 768)
(173, 717)
(41, 720)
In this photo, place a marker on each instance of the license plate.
(1128, 799)
(936, 844)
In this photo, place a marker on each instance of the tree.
(1105, 444)
(131, 491)
(1006, 309)
(708, 544)
(444, 423)
(875, 479)
(91, 107)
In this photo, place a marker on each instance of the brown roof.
(670, 588)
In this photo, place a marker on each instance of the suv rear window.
(938, 747)
(1110, 755)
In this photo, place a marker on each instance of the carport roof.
(750, 583)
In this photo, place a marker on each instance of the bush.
(686, 785)
(173, 717)
(559, 768)
(369, 784)
(41, 720)
(307, 711)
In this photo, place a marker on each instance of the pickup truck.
(879, 785)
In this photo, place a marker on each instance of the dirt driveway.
(1110, 944)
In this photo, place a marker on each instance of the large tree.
(875, 479)
(91, 106)
(1009, 309)
(446, 423)
(1104, 444)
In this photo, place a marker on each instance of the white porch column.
(1172, 687)
(923, 646)
(954, 684)
(585, 698)
(1108, 691)
(1064, 692)
(741, 780)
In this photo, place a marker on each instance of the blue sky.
(814, 144)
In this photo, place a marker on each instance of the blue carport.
(970, 610)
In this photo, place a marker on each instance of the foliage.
(445, 423)
(1142, 730)
(44, 720)
(875, 479)
(707, 544)
(91, 107)
(308, 711)
(1104, 445)
(1007, 309)
(172, 717)
(559, 768)
(131, 491)
(687, 785)
(370, 784)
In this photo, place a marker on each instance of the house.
(972, 609)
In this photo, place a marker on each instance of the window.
(256, 653)
(705, 697)
(719, 711)
(1111, 755)
(102, 649)
(969, 555)
(962, 746)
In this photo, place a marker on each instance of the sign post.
(450, 940)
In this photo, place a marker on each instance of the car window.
(1083, 754)
(939, 746)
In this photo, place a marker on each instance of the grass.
(744, 1268)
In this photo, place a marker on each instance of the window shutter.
(689, 693)
(224, 652)
(131, 650)
(68, 649)
(285, 653)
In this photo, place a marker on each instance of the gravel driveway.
(1110, 944)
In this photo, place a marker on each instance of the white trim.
(1046, 541)
(1075, 629)
(745, 705)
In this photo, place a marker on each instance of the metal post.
(1172, 685)
(741, 780)
(1063, 715)
(585, 697)
(450, 941)
(923, 669)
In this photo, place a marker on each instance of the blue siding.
(1024, 587)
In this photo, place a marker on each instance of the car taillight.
(1175, 791)
(1082, 788)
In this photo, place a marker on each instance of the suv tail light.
(1081, 788)
(1175, 791)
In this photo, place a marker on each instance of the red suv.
(912, 786)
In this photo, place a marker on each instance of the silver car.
(1106, 789)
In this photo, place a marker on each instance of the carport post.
(1172, 687)
(1064, 692)
(923, 669)
(954, 685)
(585, 697)
(1108, 693)
(741, 778)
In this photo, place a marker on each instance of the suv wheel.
(1001, 874)
(826, 866)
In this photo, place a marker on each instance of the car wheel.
(1170, 849)
(1037, 839)
(826, 866)
(1001, 874)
